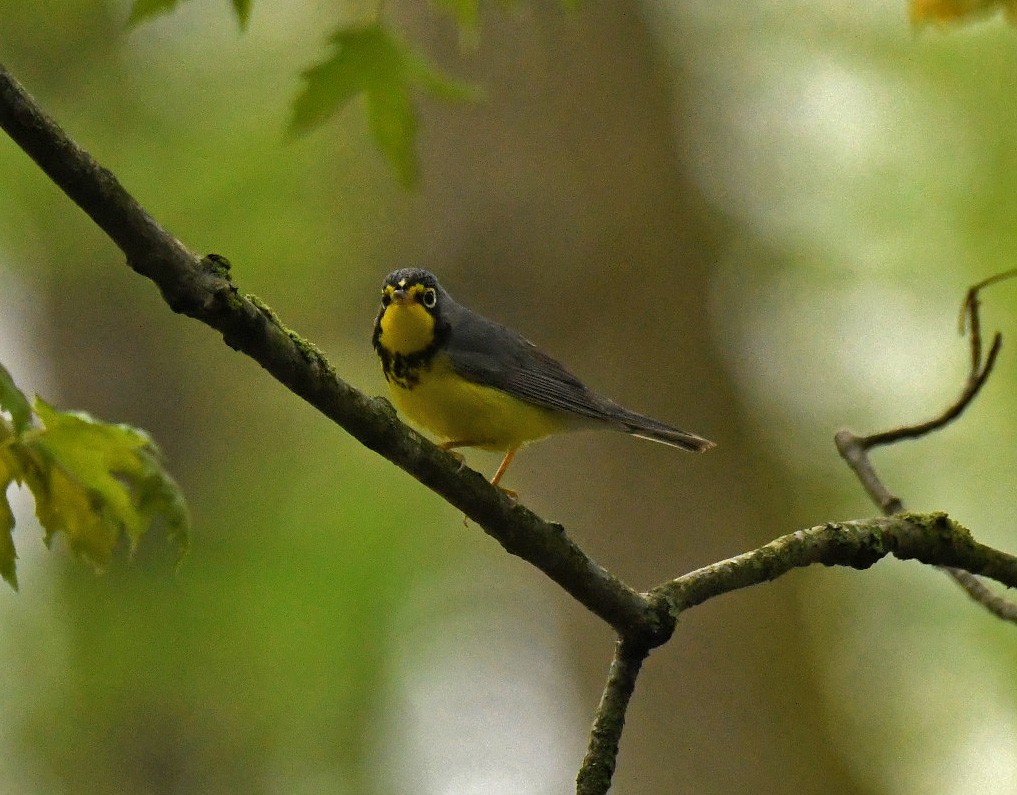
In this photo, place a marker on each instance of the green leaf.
(361, 57)
(8, 556)
(394, 126)
(243, 9)
(160, 498)
(143, 9)
(368, 61)
(94, 481)
(439, 84)
(14, 402)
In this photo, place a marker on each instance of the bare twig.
(598, 766)
(854, 449)
(999, 606)
(977, 376)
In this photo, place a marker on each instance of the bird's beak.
(400, 296)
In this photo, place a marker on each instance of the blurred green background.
(755, 220)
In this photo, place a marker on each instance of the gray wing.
(488, 353)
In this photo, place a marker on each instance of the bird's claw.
(512, 495)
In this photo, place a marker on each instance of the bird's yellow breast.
(461, 411)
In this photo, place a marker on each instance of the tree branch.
(929, 538)
(598, 766)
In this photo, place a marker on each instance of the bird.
(476, 383)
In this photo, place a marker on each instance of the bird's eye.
(386, 298)
(429, 298)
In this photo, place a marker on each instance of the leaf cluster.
(368, 62)
(95, 482)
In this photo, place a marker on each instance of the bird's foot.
(512, 495)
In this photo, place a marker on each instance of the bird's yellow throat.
(406, 327)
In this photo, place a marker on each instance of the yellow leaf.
(944, 12)
(62, 505)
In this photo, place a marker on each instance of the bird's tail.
(656, 431)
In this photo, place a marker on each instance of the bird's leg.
(449, 447)
(501, 471)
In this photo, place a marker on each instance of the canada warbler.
(476, 383)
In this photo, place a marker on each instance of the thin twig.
(598, 766)
(976, 380)
(999, 606)
(854, 449)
